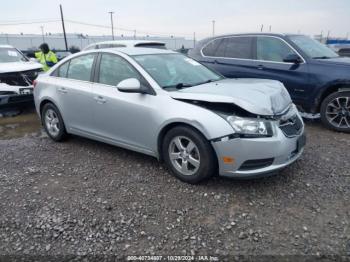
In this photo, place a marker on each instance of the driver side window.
(272, 49)
(114, 69)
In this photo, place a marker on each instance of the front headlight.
(248, 127)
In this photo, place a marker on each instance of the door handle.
(62, 90)
(100, 99)
(261, 67)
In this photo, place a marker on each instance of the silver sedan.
(166, 105)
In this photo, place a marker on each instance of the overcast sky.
(181, 17)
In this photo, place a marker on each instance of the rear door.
(231, 56)
(269, 64)
(74, 92)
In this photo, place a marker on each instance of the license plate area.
(26, 91)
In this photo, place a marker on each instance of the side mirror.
(130, 85)
(293, 58)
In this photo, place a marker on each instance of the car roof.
(127, 43)
(131, 51)
(252, 33)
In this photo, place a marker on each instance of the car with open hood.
(17, 73)
(166, 105)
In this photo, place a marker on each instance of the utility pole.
(270, 29)
(194, 39)
(42, 33)
(135, 34)
(64, 29)
(213, 27)
(262, 28)
(111, 13)
(328, 34)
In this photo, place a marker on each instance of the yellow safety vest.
(47, 60)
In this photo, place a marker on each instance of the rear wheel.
(335, 111)
(188, 154)
(53, 122)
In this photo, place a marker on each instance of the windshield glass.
(176, 71)
(313, 48)
(8, 55)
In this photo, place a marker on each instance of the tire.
(53, 123)
(196, 153)
(335, 111)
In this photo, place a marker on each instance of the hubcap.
(184, 155)
(338, 112)
(52, 122)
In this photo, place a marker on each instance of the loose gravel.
(85, 199)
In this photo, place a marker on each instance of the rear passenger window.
(211, 48)
(114, 69)
(80, 67)
(238, 47)
(231, 47)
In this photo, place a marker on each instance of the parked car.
(317, 79)
(17, 73)
(126, 43)
(61, 54)
(164, 104)
(344, 51)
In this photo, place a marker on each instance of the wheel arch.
(165, 129)
(331, 88)
(44, 102)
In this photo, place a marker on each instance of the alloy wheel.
(52, 122)
(338, 112)
(184, 155)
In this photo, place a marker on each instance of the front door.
(269, 64)
(125, 118)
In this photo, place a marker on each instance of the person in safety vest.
(46, 57)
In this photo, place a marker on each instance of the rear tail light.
(35, 82)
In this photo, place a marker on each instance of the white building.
(56, 41)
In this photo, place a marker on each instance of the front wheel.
(188, 154)
(335, 111)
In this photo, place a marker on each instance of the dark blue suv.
(317, 79)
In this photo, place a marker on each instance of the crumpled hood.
(257, 96)
(18, 66)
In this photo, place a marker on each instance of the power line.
(29, 23)
(154, 33)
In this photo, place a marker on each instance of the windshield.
(8, 55)
(313, 48)
(176, 71)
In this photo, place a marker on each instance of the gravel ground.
(85, 198)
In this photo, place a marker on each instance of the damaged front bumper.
(255, 157)
(19, 96)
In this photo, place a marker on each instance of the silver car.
(169, 106)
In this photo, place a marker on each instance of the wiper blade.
(322, 57)
(206, 82)
(178, 86)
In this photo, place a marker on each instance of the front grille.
(256, 164)
(292, 126)
(24, 78)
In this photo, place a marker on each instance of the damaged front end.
(16, 88)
